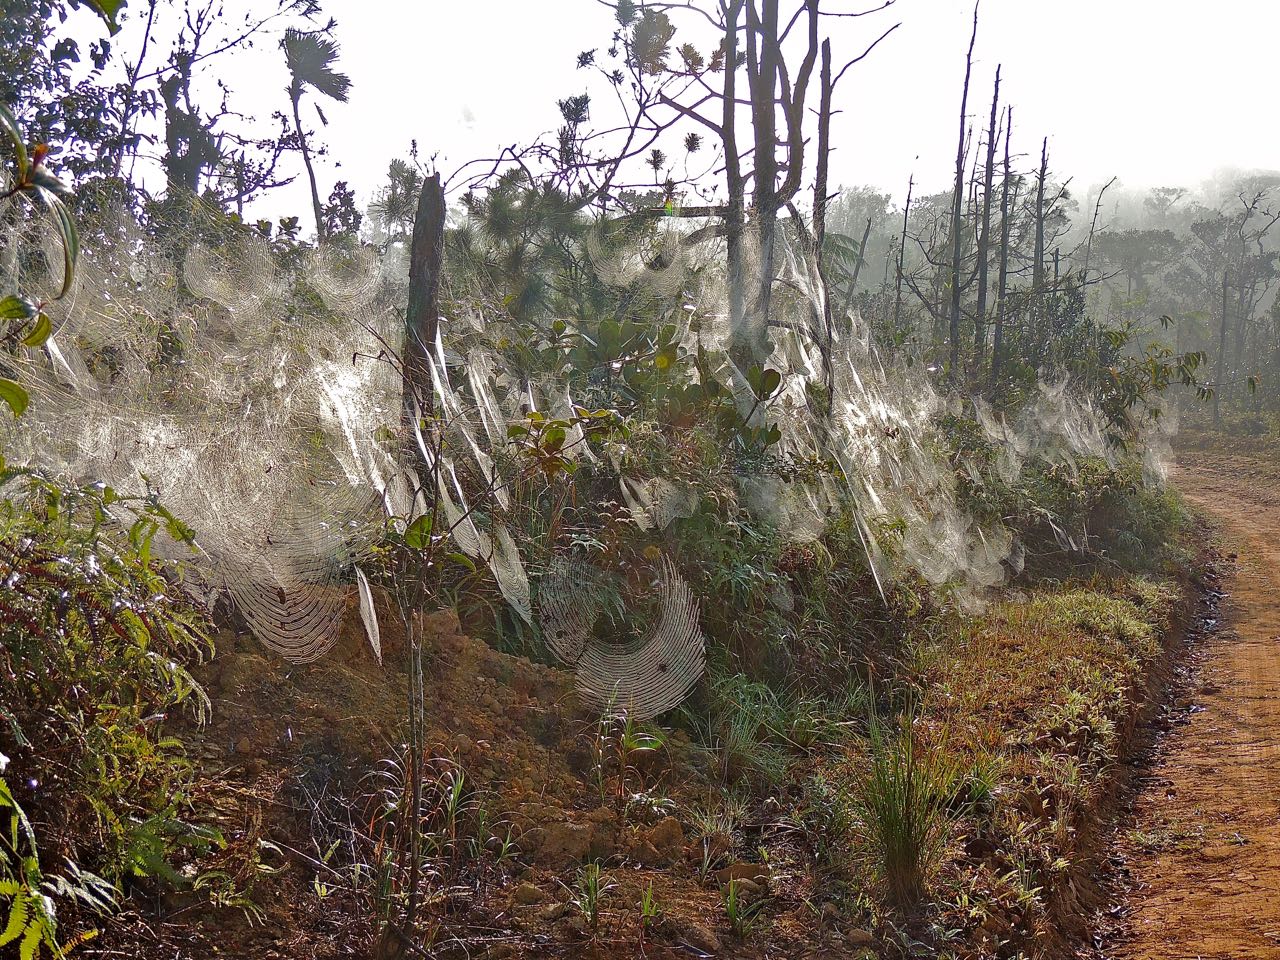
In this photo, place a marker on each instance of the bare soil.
(285, 739)
(1202, 857)
(1203, 853)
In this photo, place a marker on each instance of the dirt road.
(1204, 853)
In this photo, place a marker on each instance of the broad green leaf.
(109, 11)
(770, 382)
(462, 560)
(10, 127)
(763, 382)
(553, 439)
(15, 395)
(418, 534)
(17, 307)
(40, 332)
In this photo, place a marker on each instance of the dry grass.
(1025, 710)
(1038, 698)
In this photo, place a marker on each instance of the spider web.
(645, 676)
(196, 362)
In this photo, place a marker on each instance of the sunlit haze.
(1141, 89)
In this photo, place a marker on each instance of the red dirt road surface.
(1204, 852)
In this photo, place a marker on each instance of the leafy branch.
(25, 323)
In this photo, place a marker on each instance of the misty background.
(1133, 90)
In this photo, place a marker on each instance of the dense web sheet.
(255, 424)
(260, 405)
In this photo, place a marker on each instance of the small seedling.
(708, 863)
(743, 914)
(618, 745)
(649, 913)
(588, 894)
(506, 848)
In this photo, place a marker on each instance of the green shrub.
(28, 898)
(95, 645)
(747, 730)
(905, 797)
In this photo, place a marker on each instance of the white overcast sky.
(1156, 92)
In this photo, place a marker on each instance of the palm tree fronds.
(311, 58)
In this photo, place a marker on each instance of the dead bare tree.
(1002, 282)
(1256, 270)
(902, 251)
(750, 60)
(1093, 227)
(750, 97)
(956, 208)
(1037, 263)
(984, 237)
(826, 86)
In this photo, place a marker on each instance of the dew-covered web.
(644, 674)
(250, 388)
(255, 422)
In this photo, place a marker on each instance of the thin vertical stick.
(956, 208)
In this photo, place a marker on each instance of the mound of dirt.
(286, 740)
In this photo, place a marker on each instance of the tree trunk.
(956, 212)
(735, 208)
(1220, 376)
(824, 148)
(1037, 267)
(763, 52)
(1002, 282)
(820, 217)
(422, 313)
(984, 240)
(1244, 308)
(295, 95)
(902, 253)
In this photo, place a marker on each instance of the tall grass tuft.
(905, 799)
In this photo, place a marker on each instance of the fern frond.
(19, 912)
